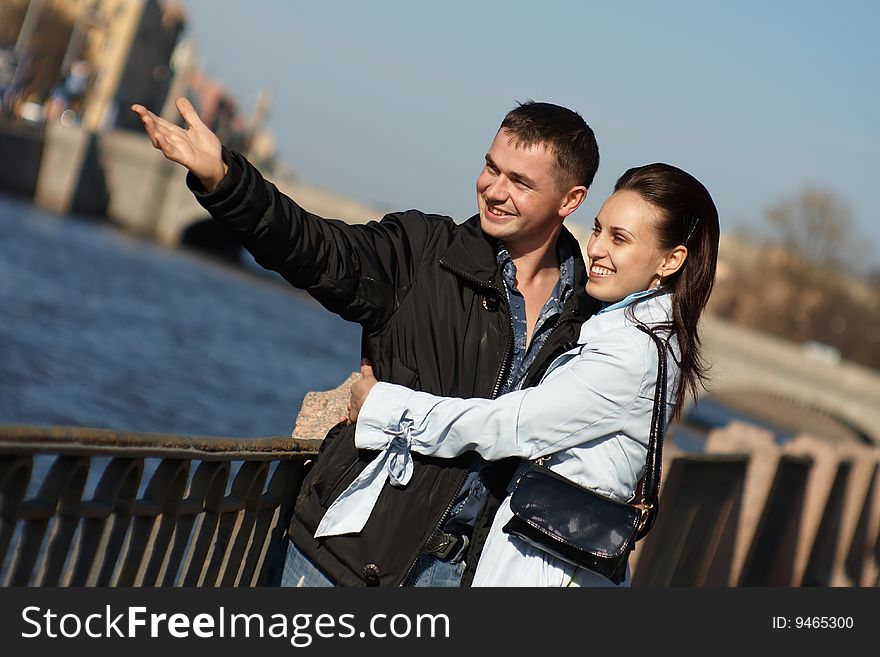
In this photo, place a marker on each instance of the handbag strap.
(650, 487)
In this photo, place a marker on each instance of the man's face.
(519, 198)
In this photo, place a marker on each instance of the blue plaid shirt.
(472, 495)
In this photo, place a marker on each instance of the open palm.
(195, 147)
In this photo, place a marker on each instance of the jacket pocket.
(338, 458)
(403, 375)
(328, 497)
(340, 462)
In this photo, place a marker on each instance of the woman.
(652, 259)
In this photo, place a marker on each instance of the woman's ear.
(672, 261)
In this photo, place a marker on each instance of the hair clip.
(692, 229)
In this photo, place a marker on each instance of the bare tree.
(799, 287)
(816, 226)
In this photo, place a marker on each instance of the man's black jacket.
(430, 299)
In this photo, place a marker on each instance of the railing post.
(195, 524)
(106, 521)
(210, 484)
(15, 473)
(247, 487)
(184, 530)
(154, 523)
(276, 510)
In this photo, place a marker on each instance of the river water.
(99, 329)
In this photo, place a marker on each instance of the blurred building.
(129, 43)
(93, 57)
(98, 57)
(86, 63)
(217, 108)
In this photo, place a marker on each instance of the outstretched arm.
(588, 399)
(195, 147)
(357, 271)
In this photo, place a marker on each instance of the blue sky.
(395, 102)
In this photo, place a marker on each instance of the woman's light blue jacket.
(590, 415)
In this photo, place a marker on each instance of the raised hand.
(195, 147)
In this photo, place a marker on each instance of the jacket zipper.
(565, 318)
(501, 293)
(495, 389)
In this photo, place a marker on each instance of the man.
(466, 310)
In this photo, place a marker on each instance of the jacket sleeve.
(585, 400)
(360, 272)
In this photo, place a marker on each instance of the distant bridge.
(118, 174)
(775, 378)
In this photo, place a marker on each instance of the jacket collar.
(655, 310)
(472, 254)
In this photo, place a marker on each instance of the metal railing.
(89, 507)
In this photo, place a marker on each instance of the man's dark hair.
(573, 141)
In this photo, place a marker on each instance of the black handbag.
(582, 526)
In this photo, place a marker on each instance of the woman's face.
(623, 252)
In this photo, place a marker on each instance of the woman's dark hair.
(687, 215)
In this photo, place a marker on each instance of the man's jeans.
(429, 571)
(300, 571)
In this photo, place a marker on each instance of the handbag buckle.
(645, 510)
